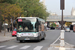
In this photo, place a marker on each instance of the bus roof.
(31, 17)
(27, 17)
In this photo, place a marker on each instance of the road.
(70, 37)
(51, 36)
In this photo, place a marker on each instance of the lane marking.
(12, 47)
(25, 47)
(2, 46)
(38, 48)
(56, 40)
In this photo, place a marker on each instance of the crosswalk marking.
(38, 48)
(25, 47)
(11, 47)
(2, 46)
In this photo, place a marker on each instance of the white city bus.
(30, 28)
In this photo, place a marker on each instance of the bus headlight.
(18, 35)
(35, 34)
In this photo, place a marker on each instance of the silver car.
(67, 29)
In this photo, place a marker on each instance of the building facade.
(43, 2)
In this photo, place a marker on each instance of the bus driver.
(20, 28)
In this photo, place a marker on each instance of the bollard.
(62, 44)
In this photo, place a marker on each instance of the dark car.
(52, 28)
(71, 27)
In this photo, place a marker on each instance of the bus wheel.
(39, 38)
(44, 37)
(21, 41)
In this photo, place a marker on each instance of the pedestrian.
(11, 28)
(8, 28)
(15, 29)
(20, 28)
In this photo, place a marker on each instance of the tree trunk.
(0, 26)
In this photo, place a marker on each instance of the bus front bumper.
(27, 38)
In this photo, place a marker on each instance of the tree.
(8, 1)
(53, 25)
(27, 8)
(10, 10)
(1, 19)
(32, 8)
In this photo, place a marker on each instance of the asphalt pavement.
(69, 40)
(51, 36)
(70, 37)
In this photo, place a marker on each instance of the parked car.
(71, 27)
(67, 29)
(14, 32)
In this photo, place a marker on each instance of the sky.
(54, 6)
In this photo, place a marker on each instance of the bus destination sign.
(19, 20)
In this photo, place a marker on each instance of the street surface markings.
(25, 47)
(2, 46)
(12, 47)
(38, 48)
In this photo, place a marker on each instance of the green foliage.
(9, 11)
(27, 8)
(53, 25)
(8, 1)
(33, 8)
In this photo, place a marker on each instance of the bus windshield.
(26, 26)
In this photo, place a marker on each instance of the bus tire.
(21, 41)
(44, 37)
(39, 38)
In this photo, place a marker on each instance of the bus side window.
(40, 26)
(37, 25)
(42, 29)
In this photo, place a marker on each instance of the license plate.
(27, 38)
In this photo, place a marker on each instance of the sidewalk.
(7, 36)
